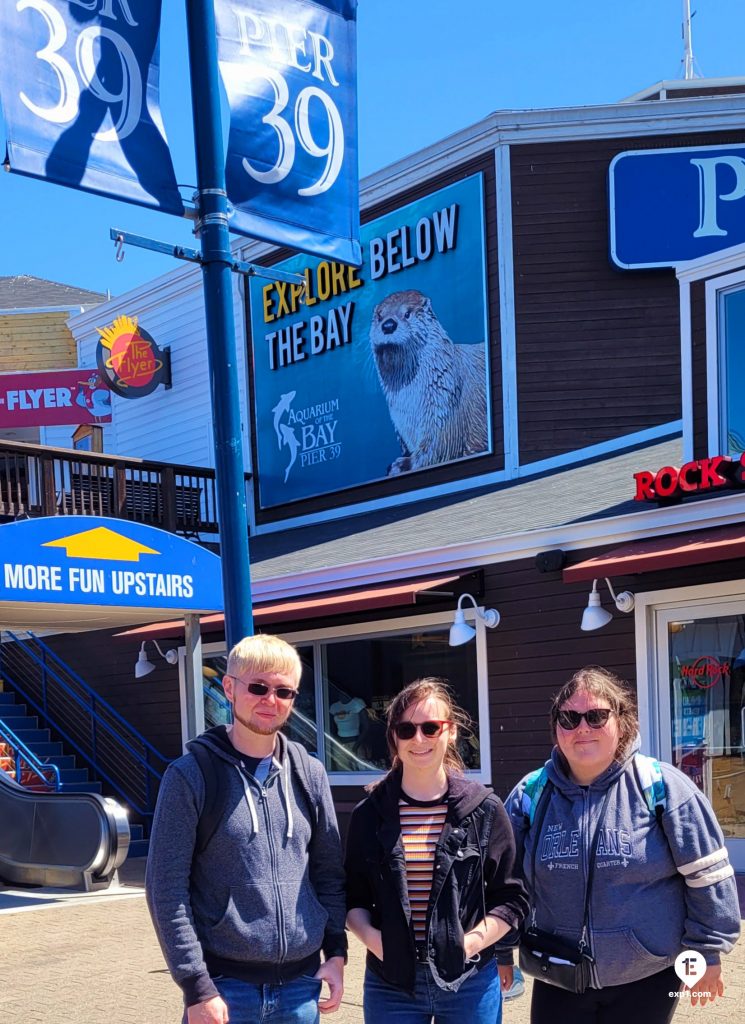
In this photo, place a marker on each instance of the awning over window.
(718, 545)
(384, 595)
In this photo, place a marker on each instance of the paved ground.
(94, 960)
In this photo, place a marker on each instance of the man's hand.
(211, 1011)
(332, 972)
(506, 976)
(709, 986)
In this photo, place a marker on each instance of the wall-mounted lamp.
(144, 667)
(595, 616)
(460, 631)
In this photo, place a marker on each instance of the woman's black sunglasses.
(408, 730)
(261, 690)
(596, 718)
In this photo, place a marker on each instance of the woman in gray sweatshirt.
(660, 883)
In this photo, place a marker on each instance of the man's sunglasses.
(261, 690)
(596, 718)
(408, 730)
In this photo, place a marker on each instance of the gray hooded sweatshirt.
(658, 888)
(266, 895)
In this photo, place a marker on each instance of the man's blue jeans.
(294, 1002)
(477, 1001)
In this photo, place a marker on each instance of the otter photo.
(378, 374)
(435, 388)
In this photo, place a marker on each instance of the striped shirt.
(421, 825)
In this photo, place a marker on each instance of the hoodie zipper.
(584, 939)
(272, 863)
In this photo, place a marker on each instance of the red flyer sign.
(53, 398)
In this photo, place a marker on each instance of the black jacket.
(476, 844)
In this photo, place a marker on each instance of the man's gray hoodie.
(658, 888)
(267, 892)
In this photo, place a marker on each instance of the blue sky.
(426, 68)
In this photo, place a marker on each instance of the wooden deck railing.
(40, 481)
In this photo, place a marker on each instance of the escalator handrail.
(32, 761)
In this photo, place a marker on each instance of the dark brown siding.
(698, 369)
(454, 471)
(150, 705)
(598, 349)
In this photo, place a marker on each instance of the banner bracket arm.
(184, 252)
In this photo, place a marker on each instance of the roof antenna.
(689, 61)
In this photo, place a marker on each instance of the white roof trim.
(678, 85)
(715, 263)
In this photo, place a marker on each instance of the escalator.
(65, 840)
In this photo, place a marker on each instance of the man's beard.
(260, 730)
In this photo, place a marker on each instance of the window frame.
(716, 290)
(382, 628)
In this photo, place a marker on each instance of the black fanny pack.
(555, 961)
(551, 958)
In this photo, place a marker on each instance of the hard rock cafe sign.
(705, 671)
(129, 359)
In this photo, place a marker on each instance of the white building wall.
(174, 425)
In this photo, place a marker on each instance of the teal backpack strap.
(649, 773)
(535, 783)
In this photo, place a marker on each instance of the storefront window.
(732, 342)
(707, 703)
(360, 678)
(347, 684)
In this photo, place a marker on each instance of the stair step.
(138, 848)
(20, 722)
(82, 787)
(136, 831)
(7, 697)
(29, 736)
(47, 749)
(13, 710)
(73, 775)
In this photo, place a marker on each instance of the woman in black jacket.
(430, 873)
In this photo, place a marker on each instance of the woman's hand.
(358, 922)
(473, 943)
(709, 986)
(506, 976)
(374, 942)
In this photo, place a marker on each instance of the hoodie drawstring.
(249, 801)
(288, 802)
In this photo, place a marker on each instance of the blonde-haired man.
(244, 881)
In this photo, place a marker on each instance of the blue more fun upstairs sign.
(668, 206)
(112, 563)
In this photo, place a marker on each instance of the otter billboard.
(363, 375)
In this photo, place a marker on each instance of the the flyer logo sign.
(79, 88)
(379, 372)
(289, 69)
(130, 360)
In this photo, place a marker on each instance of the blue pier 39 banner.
(380, 371)
(79, 91)
(289, 69)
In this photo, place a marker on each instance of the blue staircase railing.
(22, 755)
(116, 752)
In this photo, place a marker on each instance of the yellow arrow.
(101, 543)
